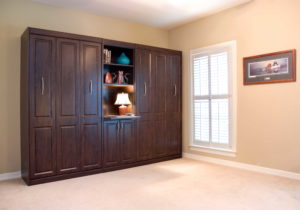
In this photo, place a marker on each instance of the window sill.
(211, 150)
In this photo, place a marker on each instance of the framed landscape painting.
(270, 68)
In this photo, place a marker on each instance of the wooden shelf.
(120, 117)
(119, 65)
(117, 85)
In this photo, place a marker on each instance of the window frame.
(225, 149)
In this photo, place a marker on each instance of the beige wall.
(15, 16)
(268, 124)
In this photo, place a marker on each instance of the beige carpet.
(178, 184)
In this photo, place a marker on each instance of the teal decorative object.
(123, 59)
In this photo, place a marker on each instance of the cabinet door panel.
(145, 139)
(111, 143)
(42, 106)
(174, 105)
(42, 77)
(143, 72)
(90, 114)
(42, 153)
(67, 103)
(173, 137)
(160, 141)
(90, 69)
(128, 141)
(174, 84)
(42, 58)
(68, 76)
(158, 81)
(90, 147)
(68, 149)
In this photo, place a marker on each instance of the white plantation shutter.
(212, 95)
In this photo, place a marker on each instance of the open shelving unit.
(110, 90)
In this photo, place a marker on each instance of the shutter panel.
(211, 98)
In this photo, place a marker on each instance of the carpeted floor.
(178, 184)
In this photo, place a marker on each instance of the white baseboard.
(271, 171)
(12, 175)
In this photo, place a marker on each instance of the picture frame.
(270, 68)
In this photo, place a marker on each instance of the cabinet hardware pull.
(175, 90)
(91, 87)
(145, 89)
(43, 85)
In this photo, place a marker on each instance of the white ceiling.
(158, 13)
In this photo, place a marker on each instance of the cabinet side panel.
(24, 106)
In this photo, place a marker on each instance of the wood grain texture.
(112, 144)
(91, 105)
(68, 105)
(128, 141)
(42, 106)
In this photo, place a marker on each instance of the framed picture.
(270, 68)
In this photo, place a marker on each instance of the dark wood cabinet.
(111, 143)
(68, 105)
(120, 144)
(145, 136)
(143, 78)
(145, 126)
(91, 108)
(42, 106)
(66, 130)
(173, 105)
(127, 135)
(159, 129)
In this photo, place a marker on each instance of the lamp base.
(122, 110)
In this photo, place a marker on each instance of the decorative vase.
(123, 59)
(108, 78)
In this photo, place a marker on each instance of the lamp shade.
(122, 99)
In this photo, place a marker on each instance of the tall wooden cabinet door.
(143, 104)
(90, 114)
(68, 106)
(143, 78)
(159, 82)
(174, 136)
(42, 106)
(111, 143)
(128, 141)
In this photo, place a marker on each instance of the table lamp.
(122, 99)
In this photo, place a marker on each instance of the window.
(213, 98)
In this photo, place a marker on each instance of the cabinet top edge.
(159, 49)
(58, 34)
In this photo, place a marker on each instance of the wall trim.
(260, 169)
(12, 175)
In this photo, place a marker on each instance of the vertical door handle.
(43, 85)
(91, 87)
(145, 89)
(175, 90)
